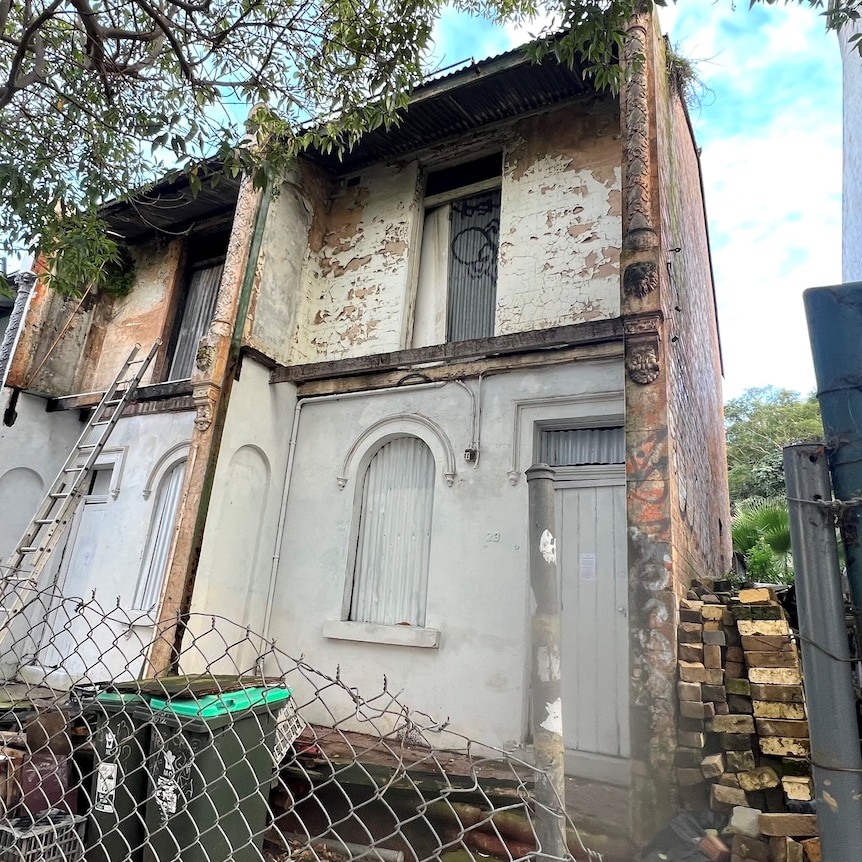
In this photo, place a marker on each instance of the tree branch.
(12, 83)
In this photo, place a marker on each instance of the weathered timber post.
(829, 693)
(547, 703)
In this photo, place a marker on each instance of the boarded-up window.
(390, 575)
(457, 282)
(159, 539)
(474, 239)
(578, 447)
(197, 312)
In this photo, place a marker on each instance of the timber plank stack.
(743, 731)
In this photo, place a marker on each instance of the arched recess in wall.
(160, 535)
(235, 586)
(21, 490)
(401, 424)
(168, 459)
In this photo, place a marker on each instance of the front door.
(591, 519)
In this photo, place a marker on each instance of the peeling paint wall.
(52, 343)
(277, 300)
(96, 335)
(138, 318)
(559, 238)
(560, 231)
(355, 284)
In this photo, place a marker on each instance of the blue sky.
(769, 124)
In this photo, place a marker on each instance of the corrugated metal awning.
(483, 93)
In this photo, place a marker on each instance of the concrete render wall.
(32, 451)
(236, 563)
(139, 318)
(40, 442)
(109, 551)
(559, 241)
(96, 333)
(478, 582)
(852, 181)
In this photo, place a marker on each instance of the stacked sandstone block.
(743, 733)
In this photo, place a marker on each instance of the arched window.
(390, 572)
(159, 538)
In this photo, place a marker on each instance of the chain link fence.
(245, 754)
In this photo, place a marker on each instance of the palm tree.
(761, 527)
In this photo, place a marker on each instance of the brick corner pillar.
(653, 603)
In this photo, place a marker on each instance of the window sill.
(411, 636)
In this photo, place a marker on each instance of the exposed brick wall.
(675, 458)
(700, 508)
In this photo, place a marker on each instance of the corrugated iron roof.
(170, 207)
(486, 92)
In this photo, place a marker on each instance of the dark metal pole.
(835, 328)
(829, 692)
(546, 688)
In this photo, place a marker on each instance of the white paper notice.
(588, 567)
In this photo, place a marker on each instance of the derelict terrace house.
(356, 374)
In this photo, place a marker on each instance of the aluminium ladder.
(58, 506)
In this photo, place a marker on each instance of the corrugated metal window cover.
(577, 447)
(390, 578)
(474, 240)
(197, 313)
(159, 539)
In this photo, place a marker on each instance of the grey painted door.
(591, 542)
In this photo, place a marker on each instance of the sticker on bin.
(289, 724)
(167, 787)
(106, 787)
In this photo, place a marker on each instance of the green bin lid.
(212, 705)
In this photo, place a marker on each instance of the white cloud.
(771, 136)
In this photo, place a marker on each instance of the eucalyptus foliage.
(758, 424)
(101, 96)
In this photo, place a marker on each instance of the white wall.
(852, 206)
(137, 453)
(236, 562)
(31, 454)
(478, 582)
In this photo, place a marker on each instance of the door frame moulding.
(606, 408)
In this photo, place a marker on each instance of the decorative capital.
(205, 398)
(643, 339)
(642, 363)
(205, 355)
(640, 278)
